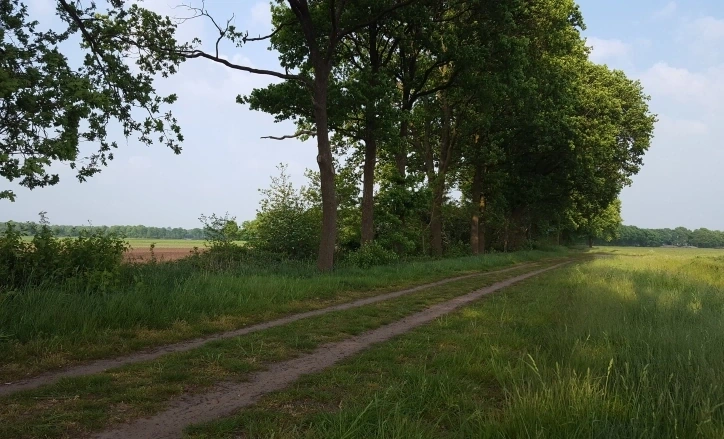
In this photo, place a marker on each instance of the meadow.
(622, 343)
(620, 347)
(55, 325)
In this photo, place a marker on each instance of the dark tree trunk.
(481, 233)
(401, 154)
(436, 220)
(475, 199)
(325, 260)
(368, 172)
(368, 187)
(590, 241)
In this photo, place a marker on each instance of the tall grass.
(158, 303)
(623, 347)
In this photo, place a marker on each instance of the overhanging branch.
(292, 136)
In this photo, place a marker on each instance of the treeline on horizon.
(628, 236)
(134, 232)
(632, 236)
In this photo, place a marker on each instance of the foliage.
(286, 222)
(679, 237)
(92, 261)
(372, 254)
(48, 106)
(139, 231)
(540, 151)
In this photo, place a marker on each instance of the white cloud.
(604, 50)
(699, 90)
(261, 13)
(708, 28)
(667, 11)
(704, 38)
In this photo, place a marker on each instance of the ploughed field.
(163, 250)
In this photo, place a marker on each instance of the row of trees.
(679, 237)
(142, 232)
(430, 117)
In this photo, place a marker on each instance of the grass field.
(79, 405)
(627, 345)
(51, 327)
(622, 347)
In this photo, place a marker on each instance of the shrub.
(287, 223)
(91, 261)
(372, 254)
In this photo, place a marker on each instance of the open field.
(626, 345)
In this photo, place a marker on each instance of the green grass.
(55, 326)
(77, 406)
(621, 347)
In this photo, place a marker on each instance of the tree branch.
(293, 136)
(201, 54)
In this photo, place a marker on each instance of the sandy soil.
(151, 354)
(226, 398)
(162, 254)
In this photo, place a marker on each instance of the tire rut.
(102, 365)
(226, 398)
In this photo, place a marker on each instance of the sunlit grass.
(621, 347)
(54, 326)
(76, 406)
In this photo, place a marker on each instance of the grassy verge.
(76, 406)
(42, 329)
(616, 348)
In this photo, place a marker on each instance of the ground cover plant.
(75, 406)
(624, 346)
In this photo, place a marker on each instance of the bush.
(287, 223)
(91, 261)
(372, 254)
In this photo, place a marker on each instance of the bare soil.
(151, 354)
(161, 254)
(226, 398)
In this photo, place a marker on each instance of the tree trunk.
(368, 187)
(475, 198)
(368, 172)
(590, 241)
(481, 231)
(325, 260)
(436, 220)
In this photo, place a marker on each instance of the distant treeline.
(142, 232)
(679, 237)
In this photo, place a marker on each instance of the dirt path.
(151, 354)
(229, 397)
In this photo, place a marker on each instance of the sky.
(676, 49)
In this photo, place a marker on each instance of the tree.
(48, 106)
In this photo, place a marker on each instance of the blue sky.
(675, 48)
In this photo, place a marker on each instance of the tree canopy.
(439, 126)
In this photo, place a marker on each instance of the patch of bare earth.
(161, 254)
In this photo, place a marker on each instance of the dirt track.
(229, 397)
(105, 364)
